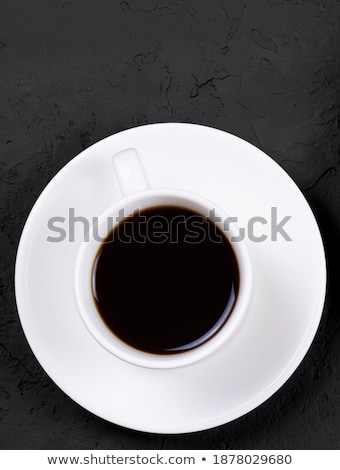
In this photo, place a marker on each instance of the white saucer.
(290, 279)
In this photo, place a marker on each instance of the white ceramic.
(284, 313)
(137, 195)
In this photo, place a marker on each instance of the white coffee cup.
(138, 195)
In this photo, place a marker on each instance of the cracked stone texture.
(73, 72)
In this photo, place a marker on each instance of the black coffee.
(165, 280)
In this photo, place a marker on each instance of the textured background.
(73, 72)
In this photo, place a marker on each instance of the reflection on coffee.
(165, 280)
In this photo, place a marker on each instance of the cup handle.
(129, 171)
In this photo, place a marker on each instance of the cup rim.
(95, 324)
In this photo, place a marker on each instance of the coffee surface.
(165, 280)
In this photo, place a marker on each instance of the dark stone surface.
(73, 72)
